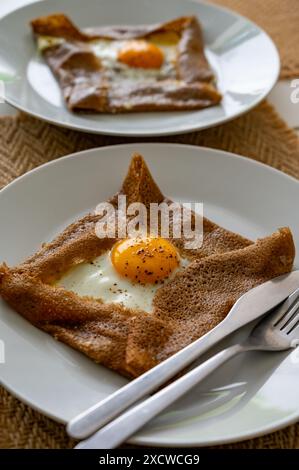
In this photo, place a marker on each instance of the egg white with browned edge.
(99, 279)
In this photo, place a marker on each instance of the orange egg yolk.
(141, 54)
(144, 260)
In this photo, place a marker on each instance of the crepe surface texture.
(193, 302)
(90, 81)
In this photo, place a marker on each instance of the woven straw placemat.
(26, 143)
(280, 19)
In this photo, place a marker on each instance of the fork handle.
(103, 412)
(120, 429)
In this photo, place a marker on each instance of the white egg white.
(100, 280)
(108, 50)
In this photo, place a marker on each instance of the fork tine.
(289, 317)
(292, 324)
(293, 336)
(287, 311)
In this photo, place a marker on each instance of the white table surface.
(279, 96)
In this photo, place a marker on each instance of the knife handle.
(119, 430)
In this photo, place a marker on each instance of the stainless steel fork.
(278, 331)
(249, 307)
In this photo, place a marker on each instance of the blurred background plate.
(244, 76)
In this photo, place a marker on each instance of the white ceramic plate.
(244, 58)
(252, 394)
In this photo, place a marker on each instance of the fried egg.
(153, 58)
(141, 54)
(129, 274)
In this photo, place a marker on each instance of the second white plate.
(243, 56)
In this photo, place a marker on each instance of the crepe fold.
(193, 302)
(86, 86)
